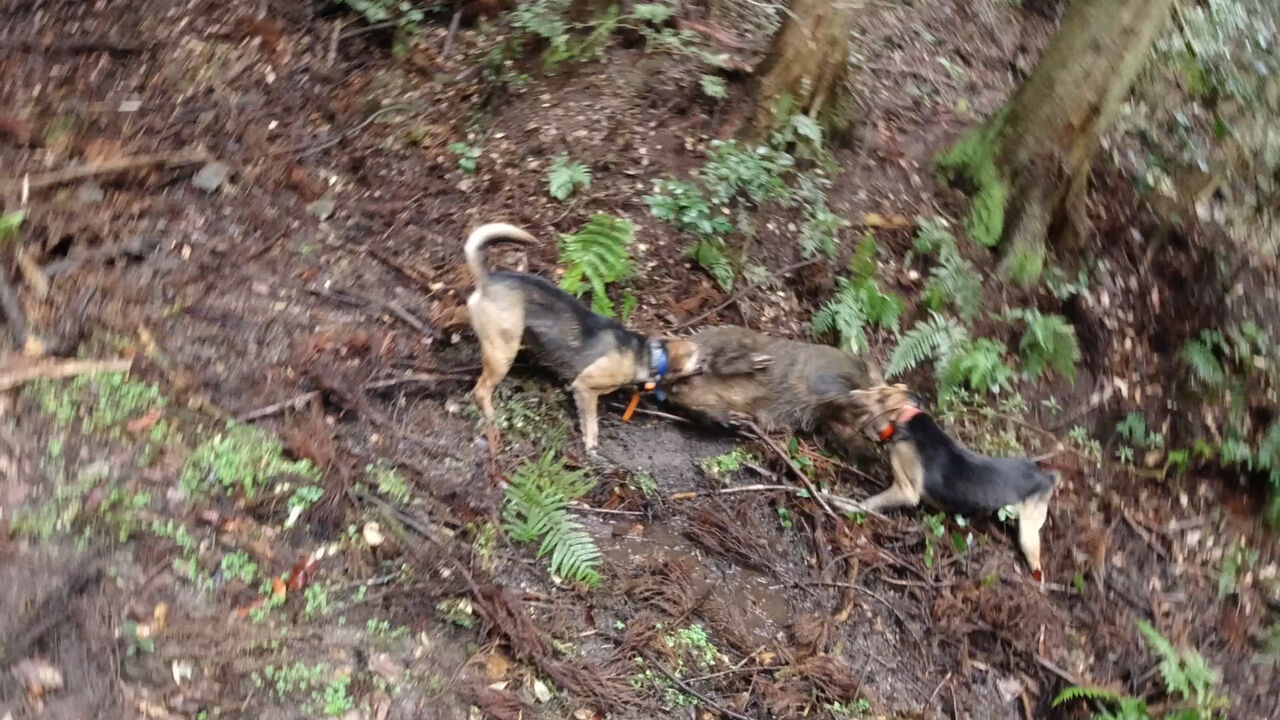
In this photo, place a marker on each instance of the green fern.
(933, 236)
(980, 365)
(1185, 673)
(710, 252)
(538, 497)
(1200, 356)
(935, 337)
(858, 303)
(1075, 692)
(820, 231)
(1048, 342)
(957, 282)
(564, 177)
(597, 255)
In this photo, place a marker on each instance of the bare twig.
(839, 501)
(80, 172)
(710, 704)
(12, 309)
(294, 403)
(795, 469)
(12, 377)
(315, 147)
(448, 39)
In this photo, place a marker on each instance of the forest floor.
(292, 269)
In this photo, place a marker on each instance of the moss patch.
(241, 458)
(973, 160)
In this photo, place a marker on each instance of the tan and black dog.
(778, 384)
(928, 465)
(595, 354)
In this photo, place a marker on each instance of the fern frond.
(980, 365)
(597, 255)
(1048, 342)
(709, 252)
(1199, 355)
(857, 305)
(564, 177)
(538, 495)
(933, 236)
(935, 337)
(956, 281)
(1076, 692)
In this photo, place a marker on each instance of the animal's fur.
(928, 465)
(777, 383)
(595, 354)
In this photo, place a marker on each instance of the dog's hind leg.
(499, 335)
(1032, 513)
(588, 402)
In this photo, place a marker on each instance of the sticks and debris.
(108, 167)
(20, 373)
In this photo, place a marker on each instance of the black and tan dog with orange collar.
(928, 465)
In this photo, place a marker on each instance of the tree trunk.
(1030, 162)
(808, 63)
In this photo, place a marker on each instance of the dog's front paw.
(739, 419)
(760, 362)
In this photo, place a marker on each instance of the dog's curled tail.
(484, 236)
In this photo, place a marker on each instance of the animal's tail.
(484, 236)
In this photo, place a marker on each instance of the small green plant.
(859, 708)
(390, 484)
(784, 518)
(713, 86)
(724, 465)
(405, 15)
(972, 160)
(316, 599)
(467, 156)
(238, 566)
(10, 223)
(1186, 676)
(336, 700)
(754, 174)
(564, 177)
(1133, 428)
(596, 256)
(821, 227)
(936, 338)
(934, 529)
(538, 497)
(135, 643)
(692, 644)
(457, 611)
(858, 303)
(1048, 343)
(242, 458)
(1241, 557)
(980, 364)
(1085, 443)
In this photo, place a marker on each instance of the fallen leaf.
(38, 677)
(302, 573)
(160, 615)
(182, 670)
(496, 667)
(278, 588)
(541, 692)
(373, 534)
(890, 222)
(146, 421)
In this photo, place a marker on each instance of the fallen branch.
(845, 504)
(80, 172)
(12, 377)
(795, 469)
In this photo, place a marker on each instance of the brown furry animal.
(595, 354)
(776, 383)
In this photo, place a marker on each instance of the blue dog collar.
(658, 363)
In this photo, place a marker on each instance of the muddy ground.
(293, 261)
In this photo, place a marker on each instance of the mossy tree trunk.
(808, 62)
(1030, 162)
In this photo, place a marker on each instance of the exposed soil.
(255, 293)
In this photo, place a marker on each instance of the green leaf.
(564, 177)
(597, 256)
(713, 86)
